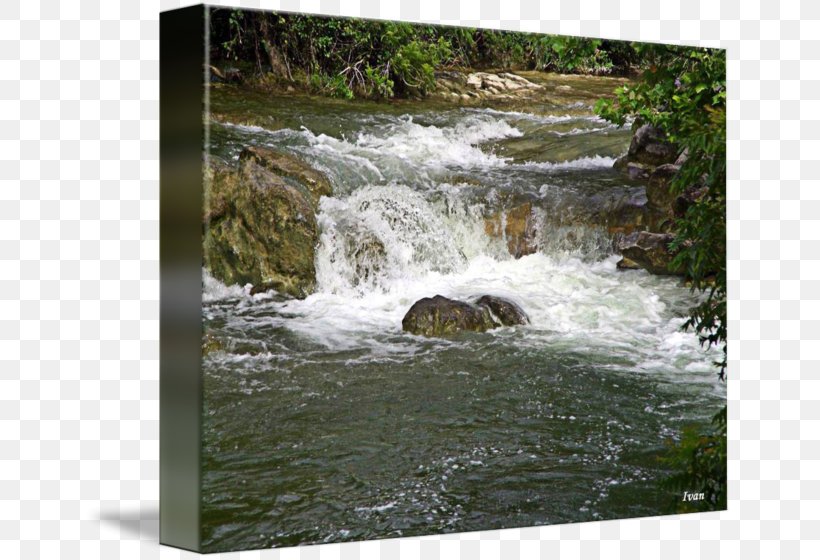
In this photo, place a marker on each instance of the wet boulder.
(689, 197)
(627, 264)
(649, 146)
(648, 149)
(649, 251)
(504, 311)
(668, 204)
(441, 316)
(517, 226)
(450, 82)
(626, 214)
(638, 171)
(282, 164)
(260, 229)
(658, 191)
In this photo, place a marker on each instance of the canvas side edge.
(182, 90)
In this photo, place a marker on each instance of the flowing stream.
(323, 421)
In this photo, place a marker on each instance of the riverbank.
(467, 87)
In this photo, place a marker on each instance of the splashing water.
(324, 421)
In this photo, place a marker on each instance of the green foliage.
(622, 54)
(379, 83)
(570, 54)
(335, 86)
(414, 63)
(683, 92)
(503, 48)
(355, 57)
(699, 460)
(234, 40)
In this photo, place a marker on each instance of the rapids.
(323, 421)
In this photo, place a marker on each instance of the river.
(323, 421)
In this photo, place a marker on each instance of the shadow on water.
(141, 523)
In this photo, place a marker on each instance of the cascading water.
(324, 421)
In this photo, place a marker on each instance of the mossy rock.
(627, 264)
(504, 311)
(441, 316)
(259, 229)
(286, 165)
(649, 251)
(650, 147)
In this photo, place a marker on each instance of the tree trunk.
(278, 62)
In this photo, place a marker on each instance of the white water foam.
(582, 131)
(406, 151)
(583, 307)
(587, 162)
(213, 290)
(424, 146)
(536, 118)
(379, 234)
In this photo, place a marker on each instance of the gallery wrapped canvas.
(420, 279)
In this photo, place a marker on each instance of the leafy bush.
(414, 63)
(335, 86)
(700, 462)
(354, 57)
(379, 83)
(683, 92)
(570, 54)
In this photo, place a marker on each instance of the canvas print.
(456, 279)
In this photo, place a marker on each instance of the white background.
(79, 279)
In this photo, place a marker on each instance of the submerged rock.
(440, 316)
(367, 254)
(506, 312)
(649, 251)
(210, 344)
(259, 228)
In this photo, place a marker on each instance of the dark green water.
(323, 421)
